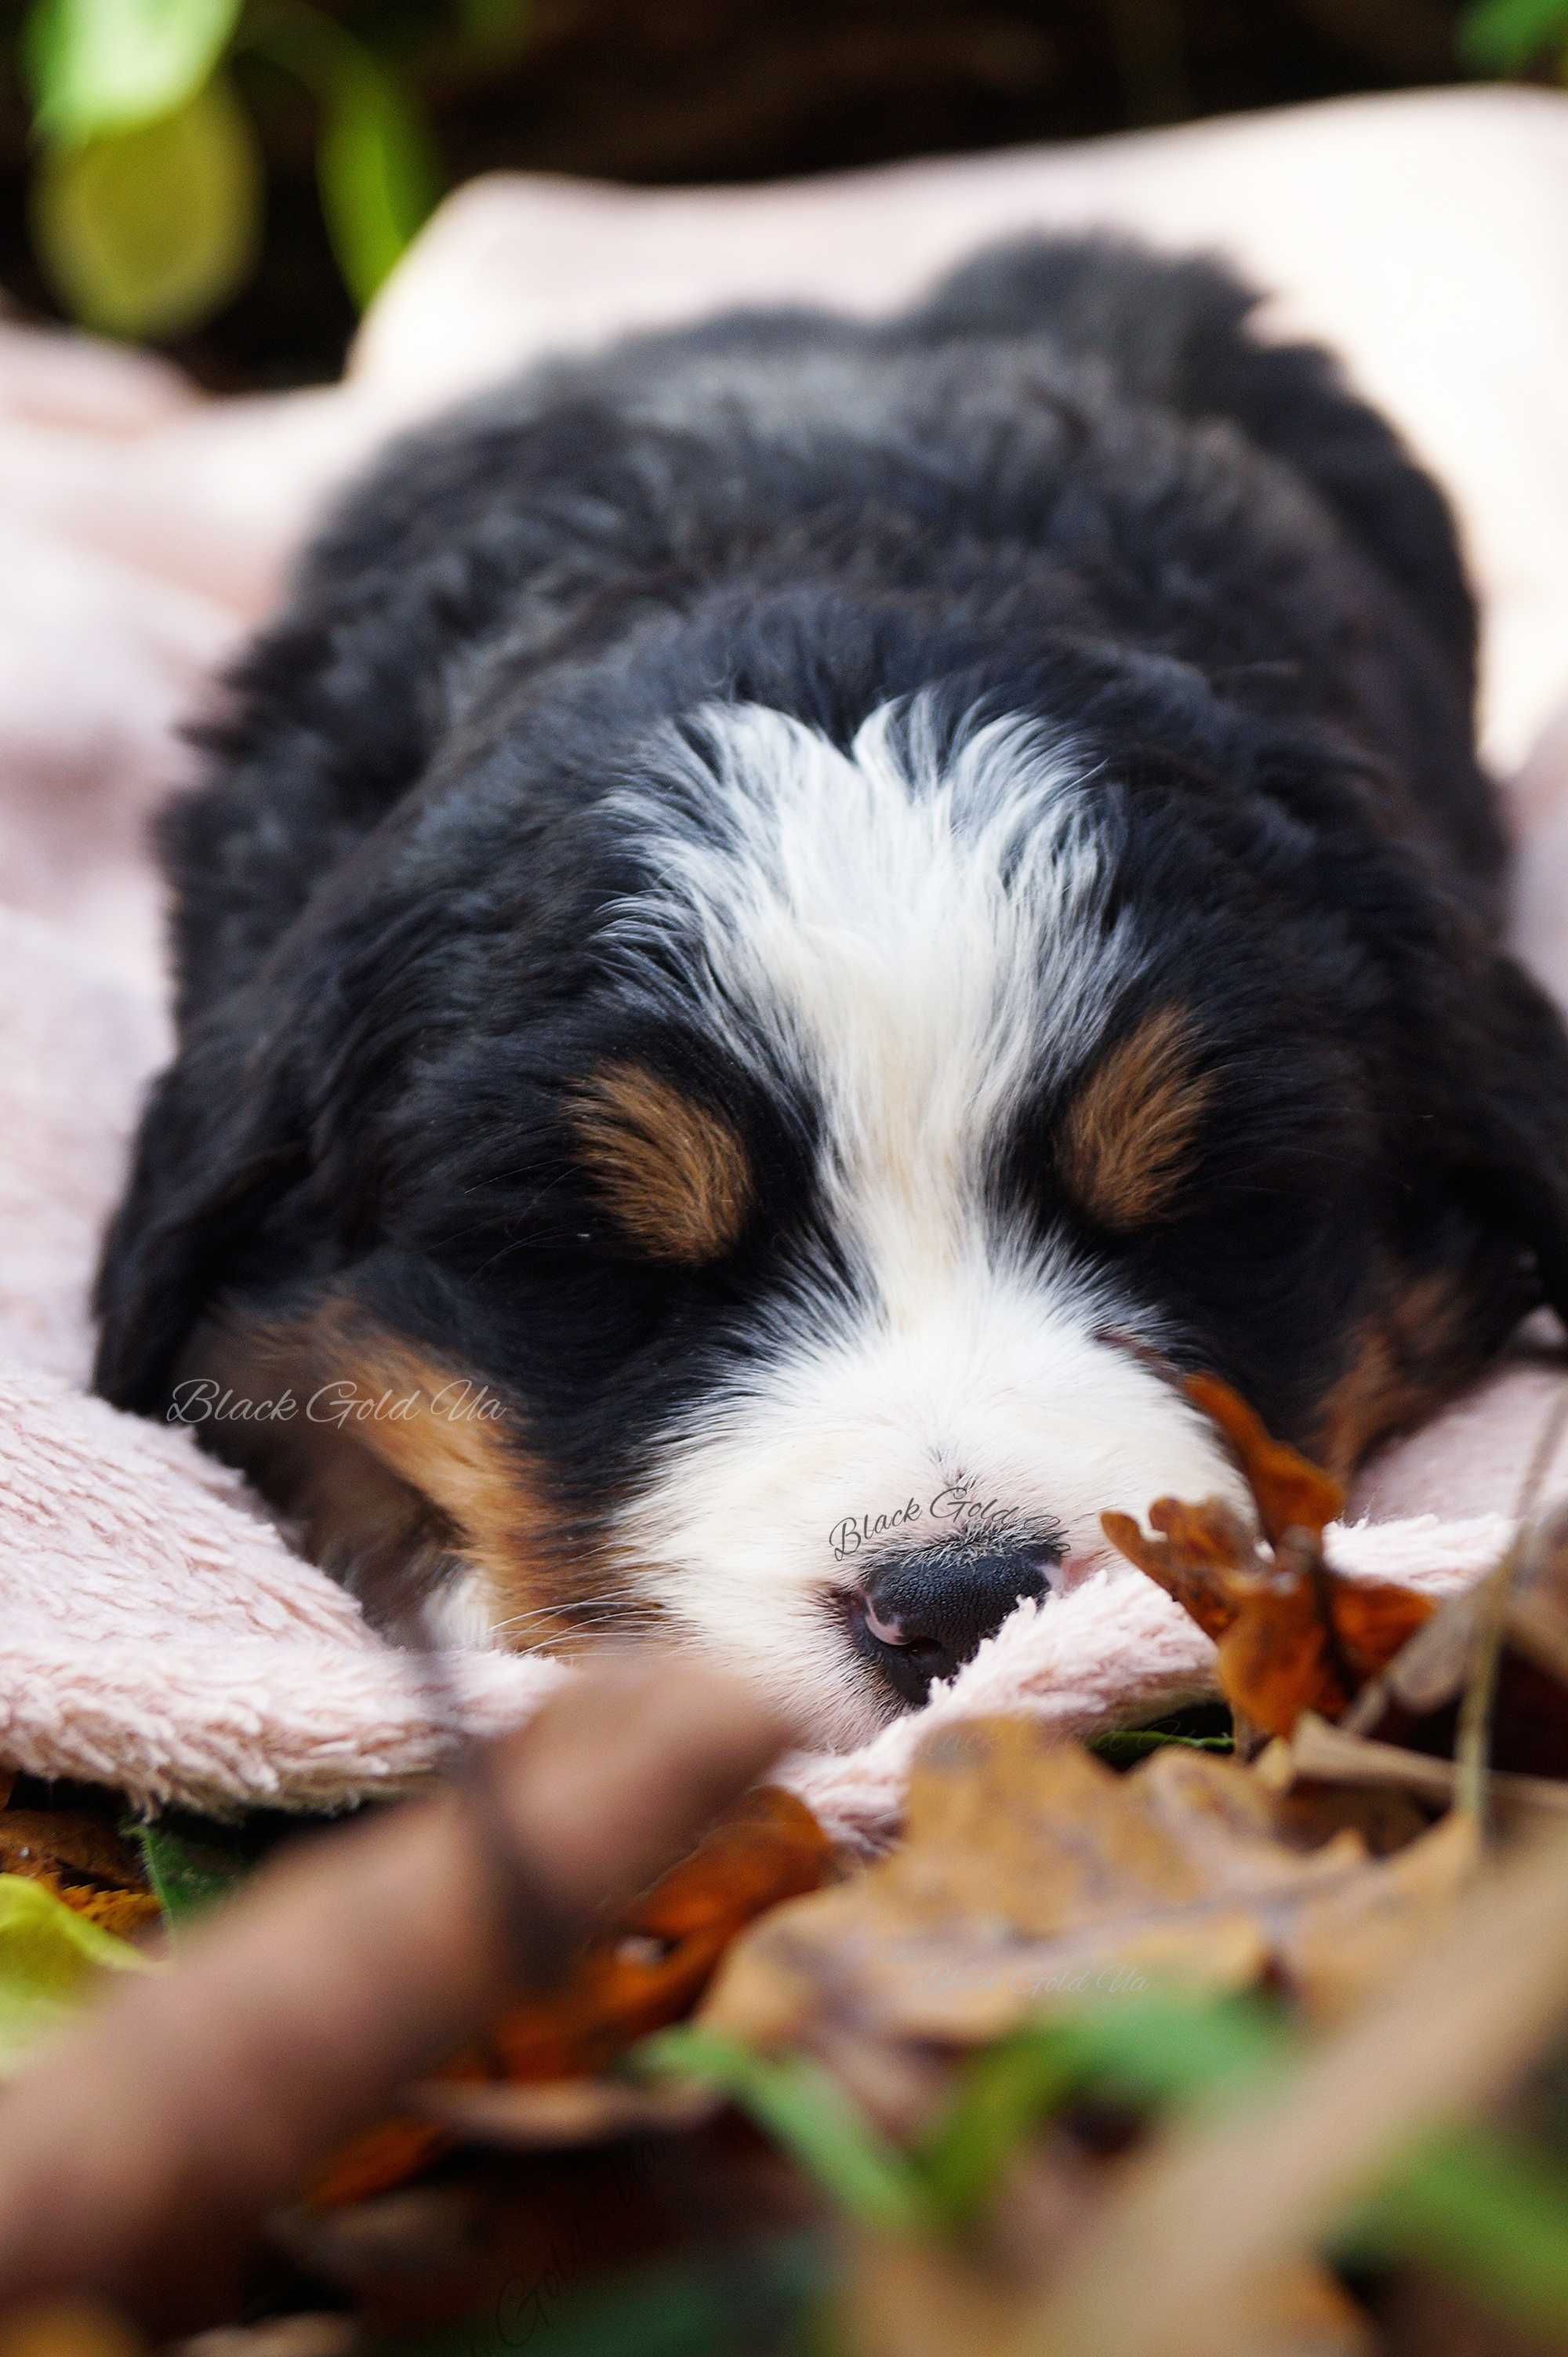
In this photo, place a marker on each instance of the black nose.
(917, 1616)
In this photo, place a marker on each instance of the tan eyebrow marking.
(1127, 1133)
(674, 1174)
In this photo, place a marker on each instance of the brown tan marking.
(1127, 1133)
(674, 1174)
(406, 1480)
(1419, 1349)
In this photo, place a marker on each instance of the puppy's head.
(795, 1234)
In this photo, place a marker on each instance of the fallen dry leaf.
(1033, 1878)
(1299, 2310)
(83, 1862)
(127, 1913)
(378, 2160)
(1292, 1634)
(1291, 1493)
(1349, 1942)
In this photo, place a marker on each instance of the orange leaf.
(1307, 1639)
(384, 2158)
(123, 1912)
(67, 1846)
(1290, 1492)
(1192, 1560)
(83, 1861)
(1293, 1634)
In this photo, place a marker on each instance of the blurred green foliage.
(172, 140)
(148, 190)
(1509, 37)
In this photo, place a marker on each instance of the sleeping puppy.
(792, 922)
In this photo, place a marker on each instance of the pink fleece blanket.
(157, 1630)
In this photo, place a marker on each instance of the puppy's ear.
(215, 1157)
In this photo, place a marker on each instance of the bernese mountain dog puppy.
(794, 921)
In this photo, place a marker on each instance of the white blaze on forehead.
(917, 932)
(919, 937)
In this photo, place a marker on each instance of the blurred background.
(230, 180)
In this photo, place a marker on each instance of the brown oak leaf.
(1033, 1879)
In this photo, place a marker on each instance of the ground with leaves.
(1179, 2047)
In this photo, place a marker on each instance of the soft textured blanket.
(157, 1632)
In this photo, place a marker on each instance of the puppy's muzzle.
(917, 1617)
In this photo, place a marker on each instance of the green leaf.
(1125, 1745)
(1480, 2208)
(1474, 2205)
(1151, 2049)
(1507, 35)
(150, 232)
(1154, 2049)
(1163, 2049)
(376, 164)
(1486, 2210)
(189, 1875)
(1005, 2094)
(50, 1959)
(102, 66)
(376, 170)
(807, 2111)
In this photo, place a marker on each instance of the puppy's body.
(812, 909)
